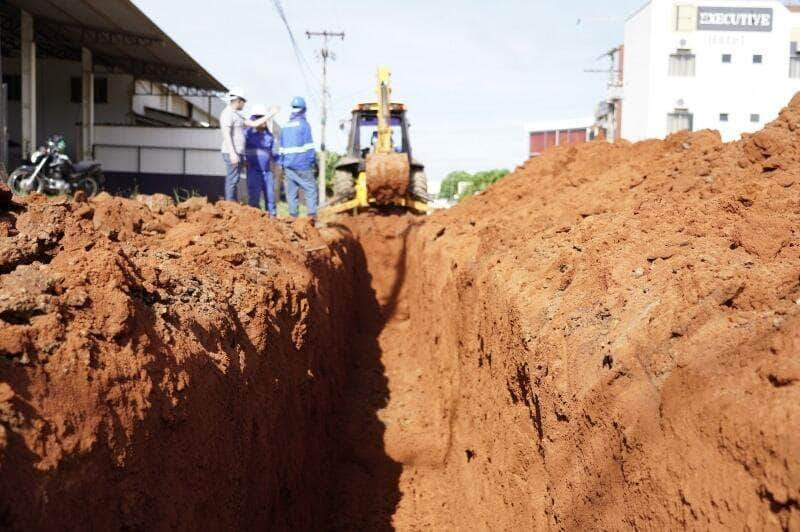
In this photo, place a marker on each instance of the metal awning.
(122, 39)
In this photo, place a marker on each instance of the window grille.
(679, 120)
(681, 63)
(794, 67)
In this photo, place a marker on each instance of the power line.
(298, 54)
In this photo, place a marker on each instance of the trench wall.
(169, 367)
(609, 336)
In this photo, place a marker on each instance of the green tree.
(449, 186)
(475, 182)
(330, 168)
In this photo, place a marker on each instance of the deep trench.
(366, 480)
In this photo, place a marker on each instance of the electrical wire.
(298, 54)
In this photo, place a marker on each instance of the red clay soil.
(607, 338)
(388, 175)
(167, 367)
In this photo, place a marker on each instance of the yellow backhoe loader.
(378, 168)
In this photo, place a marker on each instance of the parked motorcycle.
(52, 172)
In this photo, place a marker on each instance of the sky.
(472, 72)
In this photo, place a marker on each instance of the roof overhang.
(122, 39)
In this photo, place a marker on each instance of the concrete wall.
(55, 112)
(739, 88)
(162, 150)
(170, 160)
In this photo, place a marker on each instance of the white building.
(119, 89)
(729, 65)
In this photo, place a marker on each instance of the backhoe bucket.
(387, 176)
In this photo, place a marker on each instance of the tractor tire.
(419, 185)
(344, 186)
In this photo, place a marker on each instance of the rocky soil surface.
(607, 338)
(169, 367)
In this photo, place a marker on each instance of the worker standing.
(298, 156)
(232, 124)
(259, 152)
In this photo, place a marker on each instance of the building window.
(100, 90)
(755, 117)
(723, 117)
(794, 67)
(679, 120)
(758, 59)
(14, 83)
(726, 58)
(681, 63)
(685, 17)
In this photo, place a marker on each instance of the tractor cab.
(364, 131)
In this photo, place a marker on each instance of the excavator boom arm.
(384, 92)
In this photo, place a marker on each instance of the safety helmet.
(298, 102)
(236, 92)
(259, 110)
(57, 143)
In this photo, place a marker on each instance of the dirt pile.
(608, 337)
(169, 366)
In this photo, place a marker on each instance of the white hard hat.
(259, 110)
(236, 92)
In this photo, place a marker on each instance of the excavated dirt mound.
(609, 337)
(388, 176)
(168, 367)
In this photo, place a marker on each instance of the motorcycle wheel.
(89, 185)
(17, 183)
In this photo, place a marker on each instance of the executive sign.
(734, 18)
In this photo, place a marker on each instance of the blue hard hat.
(299, 102)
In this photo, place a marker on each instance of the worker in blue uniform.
(259, 152)
(297, 157)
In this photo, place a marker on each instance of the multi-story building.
(729, 65)
(542, 135)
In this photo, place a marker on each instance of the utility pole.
(325, 54)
